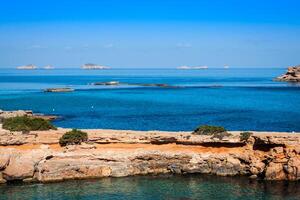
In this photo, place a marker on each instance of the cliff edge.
(37, 156)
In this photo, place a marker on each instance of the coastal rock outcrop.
(117, 83)
(59, 90)
(38, 157)
(21, 113)
(17, 113)
(292, 75)
(22, 164)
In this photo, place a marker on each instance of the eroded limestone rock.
(292, 75)
(272, 157)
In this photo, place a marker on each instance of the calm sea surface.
(238, 99)
(192, 187)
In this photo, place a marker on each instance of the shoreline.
(37, 156)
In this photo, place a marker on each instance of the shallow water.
(238, 99)
(191, 187)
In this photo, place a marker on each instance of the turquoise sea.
(191, 187)
(236, 98)
(239, 99)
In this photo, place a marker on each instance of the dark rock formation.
(59, 90)
(161, 85)
(107, 83)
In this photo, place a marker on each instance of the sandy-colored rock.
(4, 159)
(38, 156)
(22, 165)
(292, 75)
(292, 168)
(2, 180)
(21, 113)
(17, 113)
(257, 167)
(274, 171)
(75, 165)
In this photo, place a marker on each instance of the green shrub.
(209, 130)
(244, 136)
(26, 124)
(73, 137)
(221, 135)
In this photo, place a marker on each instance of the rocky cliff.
(292, 75)
(38, 157)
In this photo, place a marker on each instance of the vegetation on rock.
(244, 136)
(73, 137)
(209, 130)
(26, 124)
(215, 131)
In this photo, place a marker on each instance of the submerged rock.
(59, 90)
(107, 83)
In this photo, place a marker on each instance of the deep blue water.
(192, 187)
(244, 99)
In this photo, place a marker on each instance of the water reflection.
(155, 187)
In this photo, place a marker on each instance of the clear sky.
(150, 33)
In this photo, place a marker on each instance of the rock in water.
(292, 75)
(59, 90)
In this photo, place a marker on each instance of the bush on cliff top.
(215, 131)
(26, 124)
(244, 136)
(209, 130)
(73, 137)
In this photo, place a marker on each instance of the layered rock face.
(38, 157)
(292, 75)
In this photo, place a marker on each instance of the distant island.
(48, 67)
(27, 67)
(94, 66)
(189, 67)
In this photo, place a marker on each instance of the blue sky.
(150, 33)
